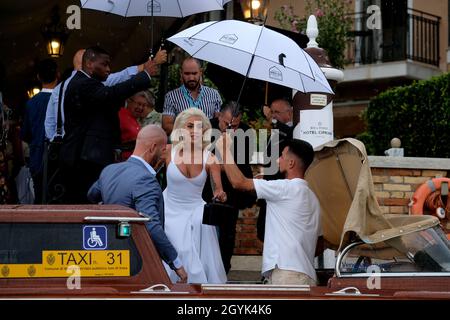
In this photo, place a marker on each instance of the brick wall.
(395, 180)
(395, 187)
(247, 242)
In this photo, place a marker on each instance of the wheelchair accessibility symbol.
(95, 238)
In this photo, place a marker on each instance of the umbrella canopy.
(255, 52)
(154, 8)
(163, 8)
(341, 178)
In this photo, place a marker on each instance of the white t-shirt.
(292, 225)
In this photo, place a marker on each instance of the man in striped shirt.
(191, 94)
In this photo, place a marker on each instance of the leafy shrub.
(334, 23)
(418, 114)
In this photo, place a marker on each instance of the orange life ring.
(420, 196)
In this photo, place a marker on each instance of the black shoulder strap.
(59, 119)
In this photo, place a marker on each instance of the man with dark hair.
(237, 199)
(51, 118)
(91, 125)
(32, 131)
(47, 71)
(192, 93)
(293, 213)
(92, 53)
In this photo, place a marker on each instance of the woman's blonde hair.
(180, 122)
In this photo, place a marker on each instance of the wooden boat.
(105, 251)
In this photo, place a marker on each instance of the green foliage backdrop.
(418, 114)
(334, 22)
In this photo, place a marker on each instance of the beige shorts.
(280, 276)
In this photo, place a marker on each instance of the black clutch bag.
(215, 213)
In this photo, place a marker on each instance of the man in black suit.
(280, 114)
(237, 199)
(91, 119)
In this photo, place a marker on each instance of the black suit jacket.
(237, 199)
(285, 134)
(91, 120)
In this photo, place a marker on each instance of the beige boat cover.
(341, 178)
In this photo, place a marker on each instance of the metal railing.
(413, 36)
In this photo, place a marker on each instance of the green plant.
(418, 114)
(174, 80)
(254, 118)
(333, 20)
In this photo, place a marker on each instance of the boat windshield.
(421, 251)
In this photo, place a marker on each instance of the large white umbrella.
(163, 8)
(157, 8)
(255, 52)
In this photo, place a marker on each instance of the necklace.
(192, 103)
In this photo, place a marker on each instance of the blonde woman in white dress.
(188, 165)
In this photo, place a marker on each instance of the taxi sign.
(58, 263)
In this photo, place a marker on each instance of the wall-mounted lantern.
(55, 34)
(255, 11)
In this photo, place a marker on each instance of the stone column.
(316, 108)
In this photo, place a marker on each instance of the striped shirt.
(180, 99)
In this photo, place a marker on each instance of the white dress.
(197, 244)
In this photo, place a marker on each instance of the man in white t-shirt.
(293, 213)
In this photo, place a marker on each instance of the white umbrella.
(162, 8)
(255, 52)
